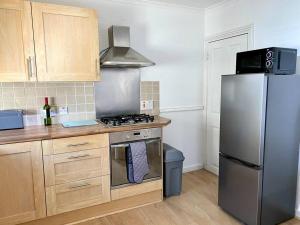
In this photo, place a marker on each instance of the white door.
(221, 61)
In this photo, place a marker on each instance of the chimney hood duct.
(119, 53)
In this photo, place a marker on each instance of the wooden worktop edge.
(39, 133)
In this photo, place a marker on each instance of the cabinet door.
(16, 41)
(76, 195)
(22, 191)
(67, 43)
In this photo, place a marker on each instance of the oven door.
(119, 166)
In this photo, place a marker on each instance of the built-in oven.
(119, 142)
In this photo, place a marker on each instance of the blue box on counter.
(11, 119)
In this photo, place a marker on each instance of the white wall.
(172, 36)
(276, 23)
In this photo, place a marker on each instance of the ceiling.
(192, 3)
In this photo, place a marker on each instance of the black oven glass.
(118, 161)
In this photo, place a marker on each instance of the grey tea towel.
(139, 160)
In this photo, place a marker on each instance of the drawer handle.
(80, 185)
(79, 144)
(79, 156)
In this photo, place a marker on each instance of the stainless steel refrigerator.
(259, 144)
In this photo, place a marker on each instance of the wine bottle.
(47, 117)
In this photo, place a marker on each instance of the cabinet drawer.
(136, 189)
(76, 195)
(73, 144)
(68, 167)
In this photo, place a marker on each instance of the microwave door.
(250, 62)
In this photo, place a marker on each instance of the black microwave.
(279, 61)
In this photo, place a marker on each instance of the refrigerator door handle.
(256, 167)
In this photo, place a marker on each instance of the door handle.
(29, 67)
(80, 185)
(79, 144)
(33, 66)
(98, 67)
(79, 156)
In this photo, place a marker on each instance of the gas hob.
(123, 120)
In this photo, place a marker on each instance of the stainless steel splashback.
(118, 92)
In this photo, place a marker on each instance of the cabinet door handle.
(80, 185)
(33, 66)
(29, 66)
(98, 67)
(79, 156)
(79, 144)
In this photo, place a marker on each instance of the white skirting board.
(191, 168)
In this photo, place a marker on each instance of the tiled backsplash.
(78, 96)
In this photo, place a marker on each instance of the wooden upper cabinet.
(22, 190)
(66, 43)
(16, 41)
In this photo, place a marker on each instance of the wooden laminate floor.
(197, 205)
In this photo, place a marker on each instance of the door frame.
(249, 30)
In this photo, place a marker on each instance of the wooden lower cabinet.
(72, 176)
(77, 172)
(75, 195)
(22, 193)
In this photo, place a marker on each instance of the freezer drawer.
(242, 125)
(240, 190)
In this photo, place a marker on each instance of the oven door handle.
(127, 145)
(120, 146)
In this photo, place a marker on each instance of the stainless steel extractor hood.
(119, 53)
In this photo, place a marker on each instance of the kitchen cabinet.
(16, 41)
(77, 172)
(78, 194)
(47, 42)
(22, 190)
(66, 43)
(64, 176)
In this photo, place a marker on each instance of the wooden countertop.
(38, 133)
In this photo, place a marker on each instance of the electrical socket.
(53, 112)
(147, 105)
(63, 110)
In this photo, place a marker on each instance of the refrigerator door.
(243, 105)
(240, 191)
